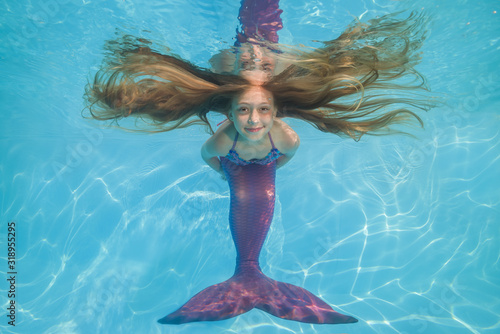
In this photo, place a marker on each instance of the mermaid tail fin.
(217, 302)
(291, 302)
(241, 293)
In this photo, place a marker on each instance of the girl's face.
(252, 114)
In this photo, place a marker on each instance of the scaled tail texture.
(252, 190)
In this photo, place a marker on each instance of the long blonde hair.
(359, 83)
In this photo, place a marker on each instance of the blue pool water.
(115, 230)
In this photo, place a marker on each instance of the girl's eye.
(242, 110)
(265, 109)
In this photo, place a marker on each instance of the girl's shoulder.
(284, 137)
(221, 141)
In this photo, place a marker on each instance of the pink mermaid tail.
(252, 189)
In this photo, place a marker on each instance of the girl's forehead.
(254, 95)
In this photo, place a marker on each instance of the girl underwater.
(362, 82)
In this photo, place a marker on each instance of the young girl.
(356, 84)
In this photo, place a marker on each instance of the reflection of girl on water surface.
(360, 83)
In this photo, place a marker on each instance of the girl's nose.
(253, 118)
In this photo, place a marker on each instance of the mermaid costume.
(252, 197)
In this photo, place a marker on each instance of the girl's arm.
(283, 160)
(289, 144)
(210, 152)
(209, 155)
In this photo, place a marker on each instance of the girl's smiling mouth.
(254, 129)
